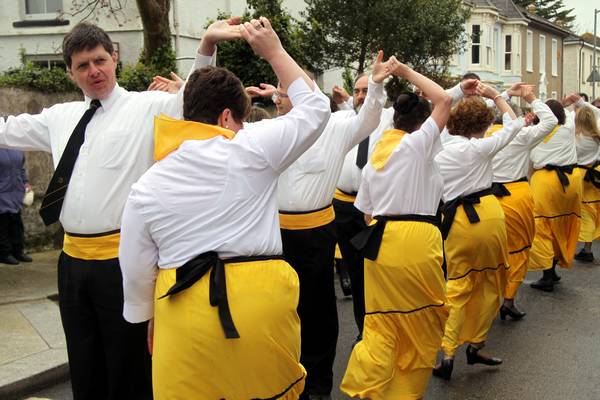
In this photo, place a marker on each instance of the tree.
(553, 10)
(239, 58)
(153, 13)
(347, 33)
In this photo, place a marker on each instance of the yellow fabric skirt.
(192, 359)
(405, 315)
(477, 260)
(520, 231)
(590, 211)
(557, 215)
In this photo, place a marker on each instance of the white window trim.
(529, 51)
(542, 59)
(478, 44)
(45, 16)
(517, 52)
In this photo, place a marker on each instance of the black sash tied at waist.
(591, 174)
(193, 270)
(499, 189)
(368, 240)
(561, 172)
(449, 209)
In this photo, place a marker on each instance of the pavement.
(32, 344)
(552, 354)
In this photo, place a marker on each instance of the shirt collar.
(108, 102)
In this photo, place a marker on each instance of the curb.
(30, 384)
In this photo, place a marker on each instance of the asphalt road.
(552, 354)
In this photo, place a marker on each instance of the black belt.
(561, 172)
(499, 189)
(449, 209)
(368, 240)
(591, 175)
(193, 270)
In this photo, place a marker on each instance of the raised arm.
(282, 140)
(27, 132)
(532, 135)
(467, 87)
(441, 100)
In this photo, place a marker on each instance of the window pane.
(476, 36)
(34, 6)
(52, 6)
(508, 43)
(507, 65)
(475, 54)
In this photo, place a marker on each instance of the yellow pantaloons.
(590, 212)
(477, 260)
(192, 359)
(405, 315)
(557, 215)
(520, 231)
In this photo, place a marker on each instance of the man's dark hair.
(359, 76)
(209, 91)
(85, 36)
(585, 97)
(470, 75)
(410, 111)
(558, 110)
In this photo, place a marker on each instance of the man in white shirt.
(211, 206)
(100, 147)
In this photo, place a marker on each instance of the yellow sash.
(169, 133)
(103, 246)
(549, 136)
(493, 129)
(341, 196)
(385, 146)
(307, 220)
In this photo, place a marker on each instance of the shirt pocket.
(115, 149)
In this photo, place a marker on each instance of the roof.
(508, 9)
(543, 23)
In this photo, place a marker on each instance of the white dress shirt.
(588, 149)
(117, 149)
(560, 149)
(213, 195)
(410, 182)
(512, 162)
(351, 175)
(308, 184)
(466, 164)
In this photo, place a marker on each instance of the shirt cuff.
(580, 103)
(505, 96)
(136, 313)
(376, 90)
(456, 93)
(202, 61)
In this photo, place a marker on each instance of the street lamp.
(594, 75)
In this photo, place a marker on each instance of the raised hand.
(571, 99)
(219, 31)
(165, 84)
(519, 89)
(381, 70)
(527, 93)
(486, 91)
(265, 90)
(262, 38)
(529, 118)
(397, 68)
(339, 95)
(469, 87)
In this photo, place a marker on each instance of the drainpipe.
(580, 65)
(176, 26)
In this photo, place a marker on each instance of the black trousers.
(12, 234)
(310, 252)
(350, 221)
(108, 356)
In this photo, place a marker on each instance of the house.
(579, 61)
(507, 44)
(33, 30)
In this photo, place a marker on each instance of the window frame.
(529, 51)
(508, 52)
(46, 15)
(476, 44)
(542, 53)
(554, 57)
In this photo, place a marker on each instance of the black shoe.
(444, 369)
(319, 397)
(22, 257)
(584, 256)
(547, 285)
(345, 282)
(473, 357)
(512, 312)
(9, 259)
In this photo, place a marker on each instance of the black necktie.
(55, 194)
(363, 153)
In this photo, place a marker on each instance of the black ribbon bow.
(468, 202)
(561, 172)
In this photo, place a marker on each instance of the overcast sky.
(584, 10)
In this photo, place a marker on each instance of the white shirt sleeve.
(138, 257)
(595, 110)
(491, 145)
(282, 140)
(346, 105)
(531, 136)
(492, 104)
(27, 132)
(456, 93)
